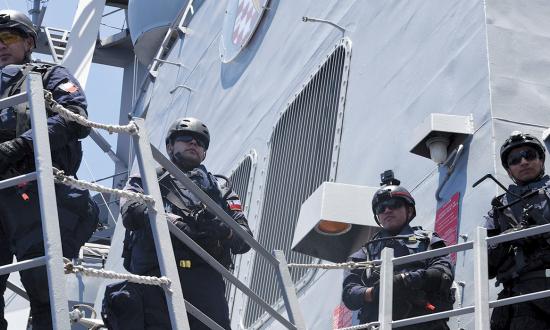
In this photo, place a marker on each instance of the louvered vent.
(301, 158)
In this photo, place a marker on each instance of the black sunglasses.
(189, 138)
(392, 204)
(515, 157)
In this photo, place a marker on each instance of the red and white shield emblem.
(241, 20)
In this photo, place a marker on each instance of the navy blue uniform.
(21, 229)
(202, 286)
(521, 266)
(424, 282)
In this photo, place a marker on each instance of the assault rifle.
(530, 215)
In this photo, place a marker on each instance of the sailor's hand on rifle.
(216, 228)
(13, 151)
(178, 221)
(399, 283)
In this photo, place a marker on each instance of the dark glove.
(13, 151)
(215, 228)
(134, 215)
(179, 222)
(399, 282)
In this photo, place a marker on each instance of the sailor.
(186, 143)
(419, 288)
(521, 266)
(21, 228)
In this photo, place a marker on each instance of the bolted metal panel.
(301, 158)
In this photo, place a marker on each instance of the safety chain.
(60, 177)
(344, 265)
(131, 128)
(372, 325)
(70, 268)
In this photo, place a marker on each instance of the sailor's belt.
(543, 273)
(185, 263)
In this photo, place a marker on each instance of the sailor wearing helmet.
(521, 266)
(419, 288)
(133, 306)
(20, 224)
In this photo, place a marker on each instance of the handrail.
(213, 207)
(482, 304)
(22, 265)
(159, 228)
(225, 273)
(14, 100)
(17, 180)
(174, 296)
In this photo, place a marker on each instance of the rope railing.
(343, 265)
(60, 177)
(130, 128)
(70, 268)
(372, 325)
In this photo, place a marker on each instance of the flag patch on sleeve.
(234, 205)
(68, 87)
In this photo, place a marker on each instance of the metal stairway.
(57, 40)
(146, 157)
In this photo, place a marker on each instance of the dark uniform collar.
(406, 230)
(520, 190)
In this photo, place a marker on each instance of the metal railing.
(146, 156)
(278, 260)
(481, 280)
(53, 259)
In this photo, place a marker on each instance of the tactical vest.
(17, 85)
(16, 120)
(178, 200)
(414, 304)
(528, 254)
(419, 241)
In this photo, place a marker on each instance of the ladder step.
(17, 180)
(22, 265)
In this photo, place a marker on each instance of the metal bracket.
(319, 20)
(452, 159)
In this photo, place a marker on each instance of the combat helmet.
(519, 139)
(13, 19)
(190, 126)
(391, 189)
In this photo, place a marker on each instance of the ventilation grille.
(301, 154)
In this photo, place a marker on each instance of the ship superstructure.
(299, 95)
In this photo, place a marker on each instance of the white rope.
(60, 177)
(344, 265)
(100, 195)
(70, 268)
(372, 325)
(131, 128)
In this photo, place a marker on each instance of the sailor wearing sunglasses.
(420, 288)
(20, 223)
(521, 266)
(187, 142)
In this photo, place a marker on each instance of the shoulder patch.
(234, 205)
(68, 87)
